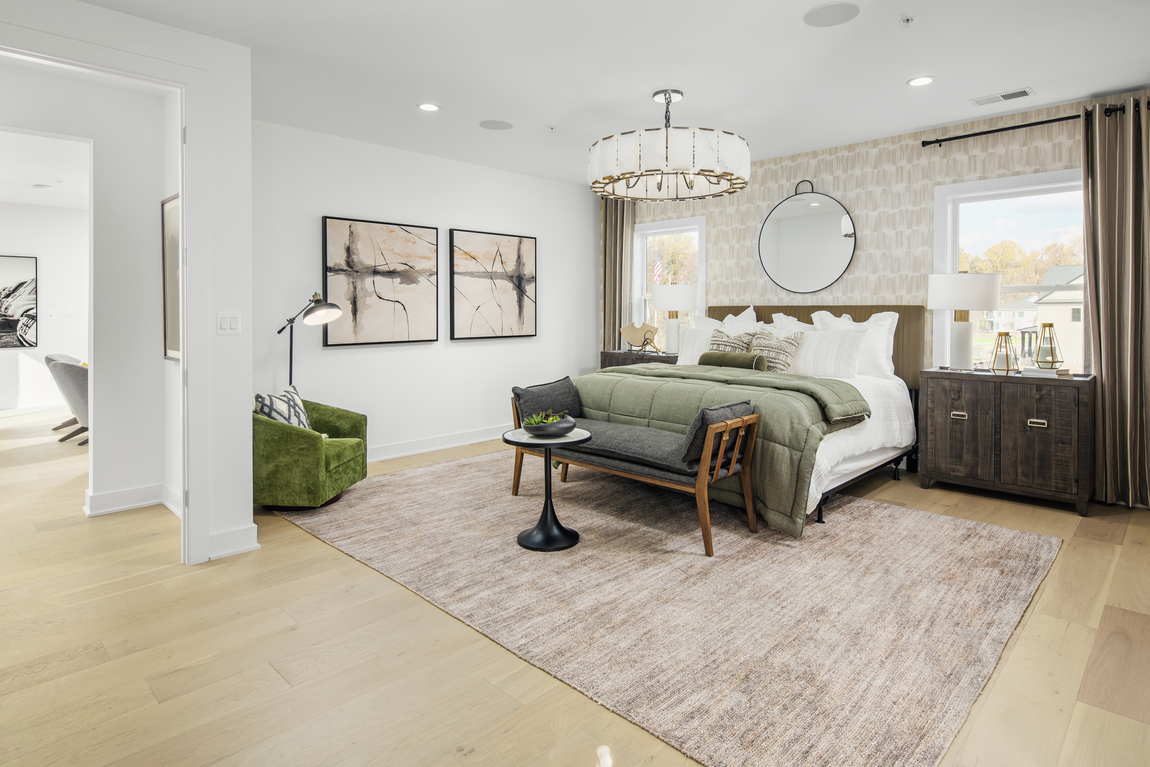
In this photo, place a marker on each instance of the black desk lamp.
(317, 312)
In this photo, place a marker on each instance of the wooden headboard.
(909, 334)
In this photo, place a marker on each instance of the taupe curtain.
(616, 233)
(1116, 234)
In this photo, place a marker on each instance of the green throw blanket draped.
(796, 412)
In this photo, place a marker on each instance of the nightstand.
(1017, 434)
(617, 358)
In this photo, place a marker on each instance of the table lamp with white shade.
(963, 293)
(673, 299)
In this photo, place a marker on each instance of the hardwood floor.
(112, 652)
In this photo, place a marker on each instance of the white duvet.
(853, 451)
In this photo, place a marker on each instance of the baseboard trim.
(236, 541)
(97, 504)
(417, 446)
(173, 500)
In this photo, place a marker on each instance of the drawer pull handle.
(1036, 422)
(958, 414)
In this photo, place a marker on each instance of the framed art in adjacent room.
(492, 285)
(17, 301)
(385, 279)
(170, 225)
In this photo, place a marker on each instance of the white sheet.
(851, 452)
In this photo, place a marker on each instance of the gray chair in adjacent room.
(72, 378)
(48, 360)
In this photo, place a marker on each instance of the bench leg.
(705, 518)
(748, 496)
(563, 473)
(518, 471)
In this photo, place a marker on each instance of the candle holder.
(1005, 359)
(1049, 354)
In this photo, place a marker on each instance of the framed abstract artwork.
(385, 279)
(492, 285)
(170, 228)
(18, 305)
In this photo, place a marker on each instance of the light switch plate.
(227, 323)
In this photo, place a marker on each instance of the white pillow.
(788, 324)
(745, 317)
(693, 342)
(829, 353)
(703, 321)
(877, 358)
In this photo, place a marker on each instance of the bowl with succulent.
(548, 424)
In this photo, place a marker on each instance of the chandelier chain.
(667, 109)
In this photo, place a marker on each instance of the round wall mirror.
(807, 241)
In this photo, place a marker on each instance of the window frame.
(640, 299)
(948, 198)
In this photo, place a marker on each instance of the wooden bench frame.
(747, 426)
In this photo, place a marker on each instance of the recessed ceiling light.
(917, 81)
(815, 204)
(495, 125)
(429, 107)
(831, 14)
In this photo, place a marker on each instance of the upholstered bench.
(718, 444)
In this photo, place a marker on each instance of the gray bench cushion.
(638, 449)
(654, 447)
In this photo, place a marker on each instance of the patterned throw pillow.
(286, 407)
(721, 341)
(778, 351)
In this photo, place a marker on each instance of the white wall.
(216, 78)
(126, 407)
(58, 237)
(417, 397)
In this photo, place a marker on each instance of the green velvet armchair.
(297, 467)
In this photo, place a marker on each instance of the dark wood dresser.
(1031, 436)
(615, 359)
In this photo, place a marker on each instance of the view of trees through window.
(672, 259)
(1029, 240)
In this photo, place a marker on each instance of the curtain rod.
(1109, 111)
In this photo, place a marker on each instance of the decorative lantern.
(1005, 360)
(1049, 352)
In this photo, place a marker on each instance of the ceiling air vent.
(1007, 96)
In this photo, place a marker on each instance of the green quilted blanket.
(796, 412)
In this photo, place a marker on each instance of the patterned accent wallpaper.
(887, 185)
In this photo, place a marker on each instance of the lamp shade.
(673, 298)
(973, 292)
(320, 312)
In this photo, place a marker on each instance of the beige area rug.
(864, 643)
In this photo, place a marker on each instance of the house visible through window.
(1032, 236)
(667, 253)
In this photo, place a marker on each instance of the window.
(1029, 230)
(667, 253)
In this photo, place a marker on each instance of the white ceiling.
(566, 73)
(27, 159)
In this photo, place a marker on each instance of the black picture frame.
(170, 261)
(363, 292)
(19, 302)
(521, 282)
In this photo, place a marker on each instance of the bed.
(826, 448)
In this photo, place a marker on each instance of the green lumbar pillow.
(734, 360)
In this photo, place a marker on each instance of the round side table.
(548, 534)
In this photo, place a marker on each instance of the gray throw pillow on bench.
(556, 396)
(697, 431)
